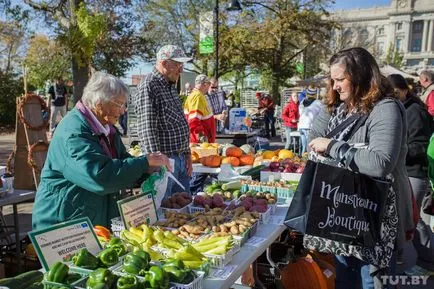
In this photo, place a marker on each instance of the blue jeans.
(354, 273)
(304, 137)
(180, 173)
(288, 131)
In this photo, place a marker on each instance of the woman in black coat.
(420, 129)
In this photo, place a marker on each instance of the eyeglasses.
(120, 106)
(176, 63)
(214, 87)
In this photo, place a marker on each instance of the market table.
(14, 198)
(248, 253)
(238, 139)
(199, 168)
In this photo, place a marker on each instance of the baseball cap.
(172, 52)
(201, 79)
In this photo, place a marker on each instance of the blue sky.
(351, 4)
(339, 4)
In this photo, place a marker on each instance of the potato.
(234, 230)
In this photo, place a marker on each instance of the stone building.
(405, 25)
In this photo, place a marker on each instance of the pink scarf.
(97, 129)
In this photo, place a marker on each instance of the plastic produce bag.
(156, 184)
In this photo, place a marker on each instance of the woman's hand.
(158, 160)
(320, 144)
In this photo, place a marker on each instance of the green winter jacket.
(79, 179)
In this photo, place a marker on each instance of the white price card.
(62, 241)
(255, 241)
(138, 210)
(223, 273)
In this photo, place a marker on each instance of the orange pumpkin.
(211, 161)
(234, 152)
(303, 274)
(235, 162)
(328, 270)
(246, 160)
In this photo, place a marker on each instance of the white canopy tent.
(388, 70)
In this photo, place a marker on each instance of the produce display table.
(199, 168)
(248, 253)
(14, 198)
(238, 139)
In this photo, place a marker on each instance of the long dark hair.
(368, 85)
(398, 81)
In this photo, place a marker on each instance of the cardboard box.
(204, 152)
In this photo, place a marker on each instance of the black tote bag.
(296, 218)
(345, 213)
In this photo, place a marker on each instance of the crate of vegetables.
(178, 202)
(204, 202)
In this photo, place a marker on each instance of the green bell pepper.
(73, 277)
(175, 274)
(58, 272)
(108, 257)
(157, 278)
(134, 264)
(118, 246)
(129, 282)
(142, 254)
(174, 262)
(85, 259)
(100, 276)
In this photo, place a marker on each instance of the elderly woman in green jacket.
(87, 163)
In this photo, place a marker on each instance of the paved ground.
(7, 142)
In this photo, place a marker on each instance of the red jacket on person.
(290, 114)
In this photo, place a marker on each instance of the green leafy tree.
(11, 87)
(77, 29)
(46, 59)
(274, 34)
(393, 57)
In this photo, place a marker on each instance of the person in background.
(266, 107)
(59, 102)
(199, 113)
(309, 108)
(87, 163)
(290, 116)
(188, 89)
(357, 86)
(123, 121)
(426, 79)
(420, 129)
(216, 99)
(202, 124)
(161, 123)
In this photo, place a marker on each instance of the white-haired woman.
(87, 163)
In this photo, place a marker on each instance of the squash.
(234, 161)
(303, 274)
(194, 157)
(234, 152)
(285, 154)
(211, 161)
(268, 155)
(246, 160)
(225, 147)
(328, 270)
